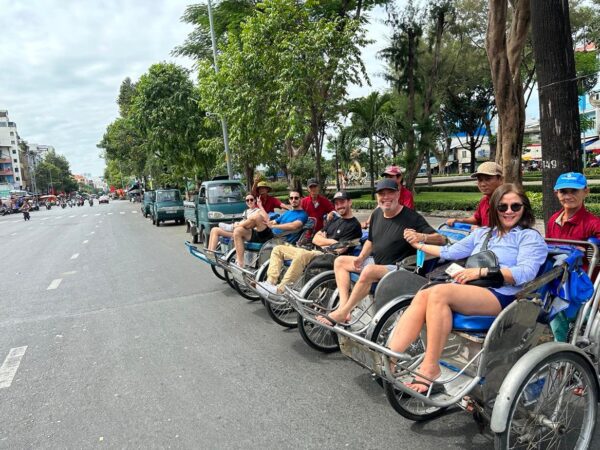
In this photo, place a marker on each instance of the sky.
(62, 62)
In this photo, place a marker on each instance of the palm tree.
(368, 120)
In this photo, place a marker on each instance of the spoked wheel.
(555, 407)
(241, 288)
(282, 314)
(219, 272)
(318, 337)
(405, 405)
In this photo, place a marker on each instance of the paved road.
(119, 339)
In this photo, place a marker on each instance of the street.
(113, 336)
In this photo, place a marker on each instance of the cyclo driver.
(391, 229)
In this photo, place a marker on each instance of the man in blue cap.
(391, 230)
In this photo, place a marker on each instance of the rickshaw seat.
(287, 262)
(224, 240)
(354, 276)
(253, 246)
(461, 322)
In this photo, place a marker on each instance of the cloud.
(61, 64)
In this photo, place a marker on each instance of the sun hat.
(572, 180)
(488, 168)
(263, 184)
(386, 183)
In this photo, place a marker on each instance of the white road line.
(10, 366)
(70, 217)
(97, 214)
(133, 212)
(75, 256)
(59, 217)
(86, 241)
(109, 214)
(14, 234)
(122, 212)
(85, 215)
(54, 284)
(44, 218)
(71, 272)
(93, 232)
(15, 221)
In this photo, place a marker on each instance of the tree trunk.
(559, 108)
(371, 168)
(249, 173)
(504, 56)
(473, 150)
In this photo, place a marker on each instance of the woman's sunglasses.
(249, 200)
(515, 207)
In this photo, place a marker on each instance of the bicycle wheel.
(219, 272)
(322, 295)
(555, 407)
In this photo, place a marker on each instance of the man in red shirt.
(316, 205)
(261, 191)
(489, 177)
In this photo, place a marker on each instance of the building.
(10, 160)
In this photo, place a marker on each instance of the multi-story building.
(10, 163)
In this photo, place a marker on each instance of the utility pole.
(51, 187)
(223, 121)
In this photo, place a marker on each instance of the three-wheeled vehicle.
(168, 205)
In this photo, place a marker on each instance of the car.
(103, 199)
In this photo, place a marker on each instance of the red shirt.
(581, 226)
(270, 203)
(482, 213)
(318, 210)
(406, 198)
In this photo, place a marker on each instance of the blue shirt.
(522, 251)
(289, 217)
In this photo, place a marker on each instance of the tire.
(243, 290)
(219, 273)
(283, 315)
(157, 223)
(405, 405)
(153, 221)
(560, 389)
(315, 336)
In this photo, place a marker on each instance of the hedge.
(594, 189)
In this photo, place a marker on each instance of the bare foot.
(421, 385)
(336, 316)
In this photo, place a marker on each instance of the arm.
(322, 240)
(470, 220)
(292, 226)
(280, 205)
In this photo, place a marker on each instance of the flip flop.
(436, 388)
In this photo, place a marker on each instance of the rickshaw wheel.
(241, 289)
(219, 272)
(555, 407)
(409, 407)
(315, 336)
(283, 315)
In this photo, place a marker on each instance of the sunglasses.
(294, 198)
(250, 200)
(515, 207)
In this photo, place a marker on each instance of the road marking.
(133, 212)
(59, 217)
(71, 272)
(86, 241)
(44, 218)
(10, 366)
(15, 221)
(14, 234)
(93, 232)
(75, 256)
(110, 214)
(97, 214)
(54, 284)
(70, 217)
(85, 215)
(122, 212)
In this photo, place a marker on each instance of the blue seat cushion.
(471, 323)
(287, 262)
(253, 246)
(225, 240)
(354, 276)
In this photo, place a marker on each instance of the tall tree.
(559, 107)
(505, 54)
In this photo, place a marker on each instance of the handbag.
(486, 259)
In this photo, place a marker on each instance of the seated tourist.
(226, 229)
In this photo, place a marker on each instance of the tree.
(559, 111)
(54, 175)
(505, 54)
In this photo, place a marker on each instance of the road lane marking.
(54, 284)
(97, 214)
(71, 272)
(122, 212)
(133, 212)
(75, 256)
(86, 241)
(85, 215)
(15, 221)
(9, 368)
(14, 234)
(70, 217)
(110, 214)
(93, 232)
(44, 218)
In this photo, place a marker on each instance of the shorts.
(370, 260)
(261, 236)
(504, 299)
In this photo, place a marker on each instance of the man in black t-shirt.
(391, 229)
(343, 228)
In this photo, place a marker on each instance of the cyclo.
(518, 383)
(319, 296)
(223, 259)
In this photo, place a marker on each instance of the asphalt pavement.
(113, 336)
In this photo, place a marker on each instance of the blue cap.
(570, 180)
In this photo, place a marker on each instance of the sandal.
(432, 388)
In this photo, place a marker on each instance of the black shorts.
(261, 236)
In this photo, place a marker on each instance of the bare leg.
(215, 233)
(240, 235)
(369, 275)
(342, 267)
(410, 323)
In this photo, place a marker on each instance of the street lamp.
(223, 121)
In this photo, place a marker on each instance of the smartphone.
(453, 268)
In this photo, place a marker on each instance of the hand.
(466, 275)
(365, 225)
(271, 223)
(413, 238)
(450, 222)
(358, 262)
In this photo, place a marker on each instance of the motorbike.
(4, 211)
(63, 205)
(91, 202)
(48, 205)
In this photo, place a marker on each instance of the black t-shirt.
(387, 235)
(342, 229)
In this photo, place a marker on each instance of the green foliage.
(53, 172)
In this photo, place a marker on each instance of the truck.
(218, 200)
(167, 205)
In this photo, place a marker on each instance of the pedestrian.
(25, 208)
